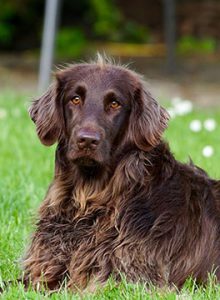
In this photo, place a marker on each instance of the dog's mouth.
(90, 168)
(87, 158)
(86, 161)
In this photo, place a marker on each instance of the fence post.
(170, 34)
(48, 42)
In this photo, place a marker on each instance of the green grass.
(26, 168)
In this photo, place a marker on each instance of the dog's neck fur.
(99, 186)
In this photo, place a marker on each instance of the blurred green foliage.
(7, 12)
(193, 45)
(71, 42)
(135, 33)
(106, 18)
(103, 21)
(110, 24)
(81, 22)
(21, 25)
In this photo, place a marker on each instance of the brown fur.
(127, 207)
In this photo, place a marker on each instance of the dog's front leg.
(45, 262)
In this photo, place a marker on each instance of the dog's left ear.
(45, 113)
(148, 120)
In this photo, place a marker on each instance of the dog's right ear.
(46, 115)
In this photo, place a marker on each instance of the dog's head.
(94, 109)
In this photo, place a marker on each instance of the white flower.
(176, 100)
(195, 125)
(171, 112)
(180, 107)
(3, 113)
(209, 124)
(183, 108)
(208, 151)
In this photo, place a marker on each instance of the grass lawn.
(26, 168)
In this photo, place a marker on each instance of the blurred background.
(175, 44)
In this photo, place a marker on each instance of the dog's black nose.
(88, 139)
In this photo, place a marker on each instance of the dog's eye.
(76, 100)
(115, 104)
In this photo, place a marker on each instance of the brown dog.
(119, 203)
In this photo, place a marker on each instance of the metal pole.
(170, 34)
(48, 42)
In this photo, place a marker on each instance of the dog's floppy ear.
(46, 115)
(148, 120)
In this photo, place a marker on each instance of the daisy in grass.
(180, 107)
(209, 124)
(208, 151)
(195, 125)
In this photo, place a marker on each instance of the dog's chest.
(109, 242)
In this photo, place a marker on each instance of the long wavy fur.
(148, 217)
